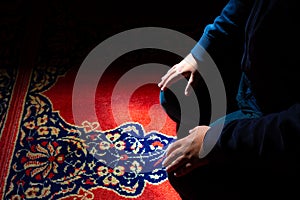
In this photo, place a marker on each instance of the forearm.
(266, 137)
(226, 28)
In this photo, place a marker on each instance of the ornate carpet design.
(54, 159)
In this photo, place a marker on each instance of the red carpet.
(45, 155)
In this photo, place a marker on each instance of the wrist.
(190, 59)
(203, 150)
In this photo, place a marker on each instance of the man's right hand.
(187, 67)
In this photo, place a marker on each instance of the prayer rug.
(46, 155)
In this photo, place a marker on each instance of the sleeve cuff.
(200, 49)
(211, 138)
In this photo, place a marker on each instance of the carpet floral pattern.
(53, 159)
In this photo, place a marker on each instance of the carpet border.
(12, 123)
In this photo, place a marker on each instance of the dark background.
(61, 33)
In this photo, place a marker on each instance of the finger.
(168, 160)
(188, 86)
(172, 154)
(169, 73)
(166, 76)
(170, 80)
(176, 164)
(193, 129)
(177, 70)
(171, 148)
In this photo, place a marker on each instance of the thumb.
(188, 86)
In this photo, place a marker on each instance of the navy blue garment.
(257, 155)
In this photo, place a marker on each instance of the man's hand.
(183, 155)
(187, 67)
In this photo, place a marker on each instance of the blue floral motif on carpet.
(53, 158)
